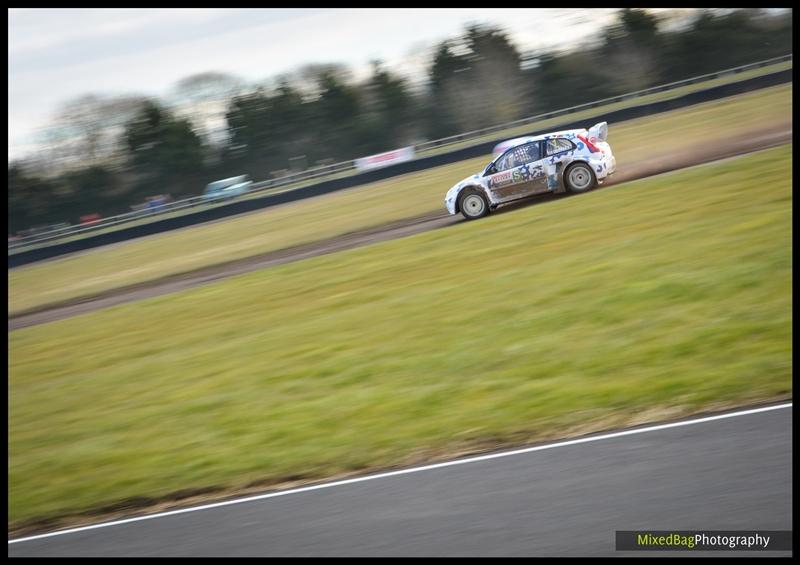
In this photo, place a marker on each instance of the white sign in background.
(385, 159)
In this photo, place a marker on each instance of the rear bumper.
(604, 166)
(612, 165)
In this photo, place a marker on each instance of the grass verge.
(662, 296)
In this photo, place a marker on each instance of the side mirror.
(489, 170)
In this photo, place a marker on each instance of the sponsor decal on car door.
(522, 180)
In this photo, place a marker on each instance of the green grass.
(507, 133)
(662, 296)
(370, 205)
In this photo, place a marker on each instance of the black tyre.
(579, 178)
(473, 204)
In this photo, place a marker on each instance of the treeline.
(322, 116)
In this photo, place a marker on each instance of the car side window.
(558, 145)
(518, 156)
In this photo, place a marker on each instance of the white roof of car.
(504, 146)
(520, 140)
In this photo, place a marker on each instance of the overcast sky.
(55, 55)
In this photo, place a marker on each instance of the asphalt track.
(728, 473)
(691, 155)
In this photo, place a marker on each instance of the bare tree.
(86, 130)
(203, 98)
(478, 78)
(307, 79)
(631, 50)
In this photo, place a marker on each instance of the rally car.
(572, 161)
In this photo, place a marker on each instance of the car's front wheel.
(473, 204)
(579, 178)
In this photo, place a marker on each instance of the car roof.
(504, 146)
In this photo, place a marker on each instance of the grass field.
(655, 298)
(392, 199)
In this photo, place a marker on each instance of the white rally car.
(565, 161)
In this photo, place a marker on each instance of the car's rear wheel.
(473, 204)
(579, 178)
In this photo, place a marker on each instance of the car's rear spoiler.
(598, 132)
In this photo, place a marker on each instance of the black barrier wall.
(328, 186)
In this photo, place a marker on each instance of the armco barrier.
(325, 187)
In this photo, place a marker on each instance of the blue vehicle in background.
(227, 188)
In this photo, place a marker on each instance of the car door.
(559, 152)
(519, 173)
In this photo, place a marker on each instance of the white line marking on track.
(408, 471)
